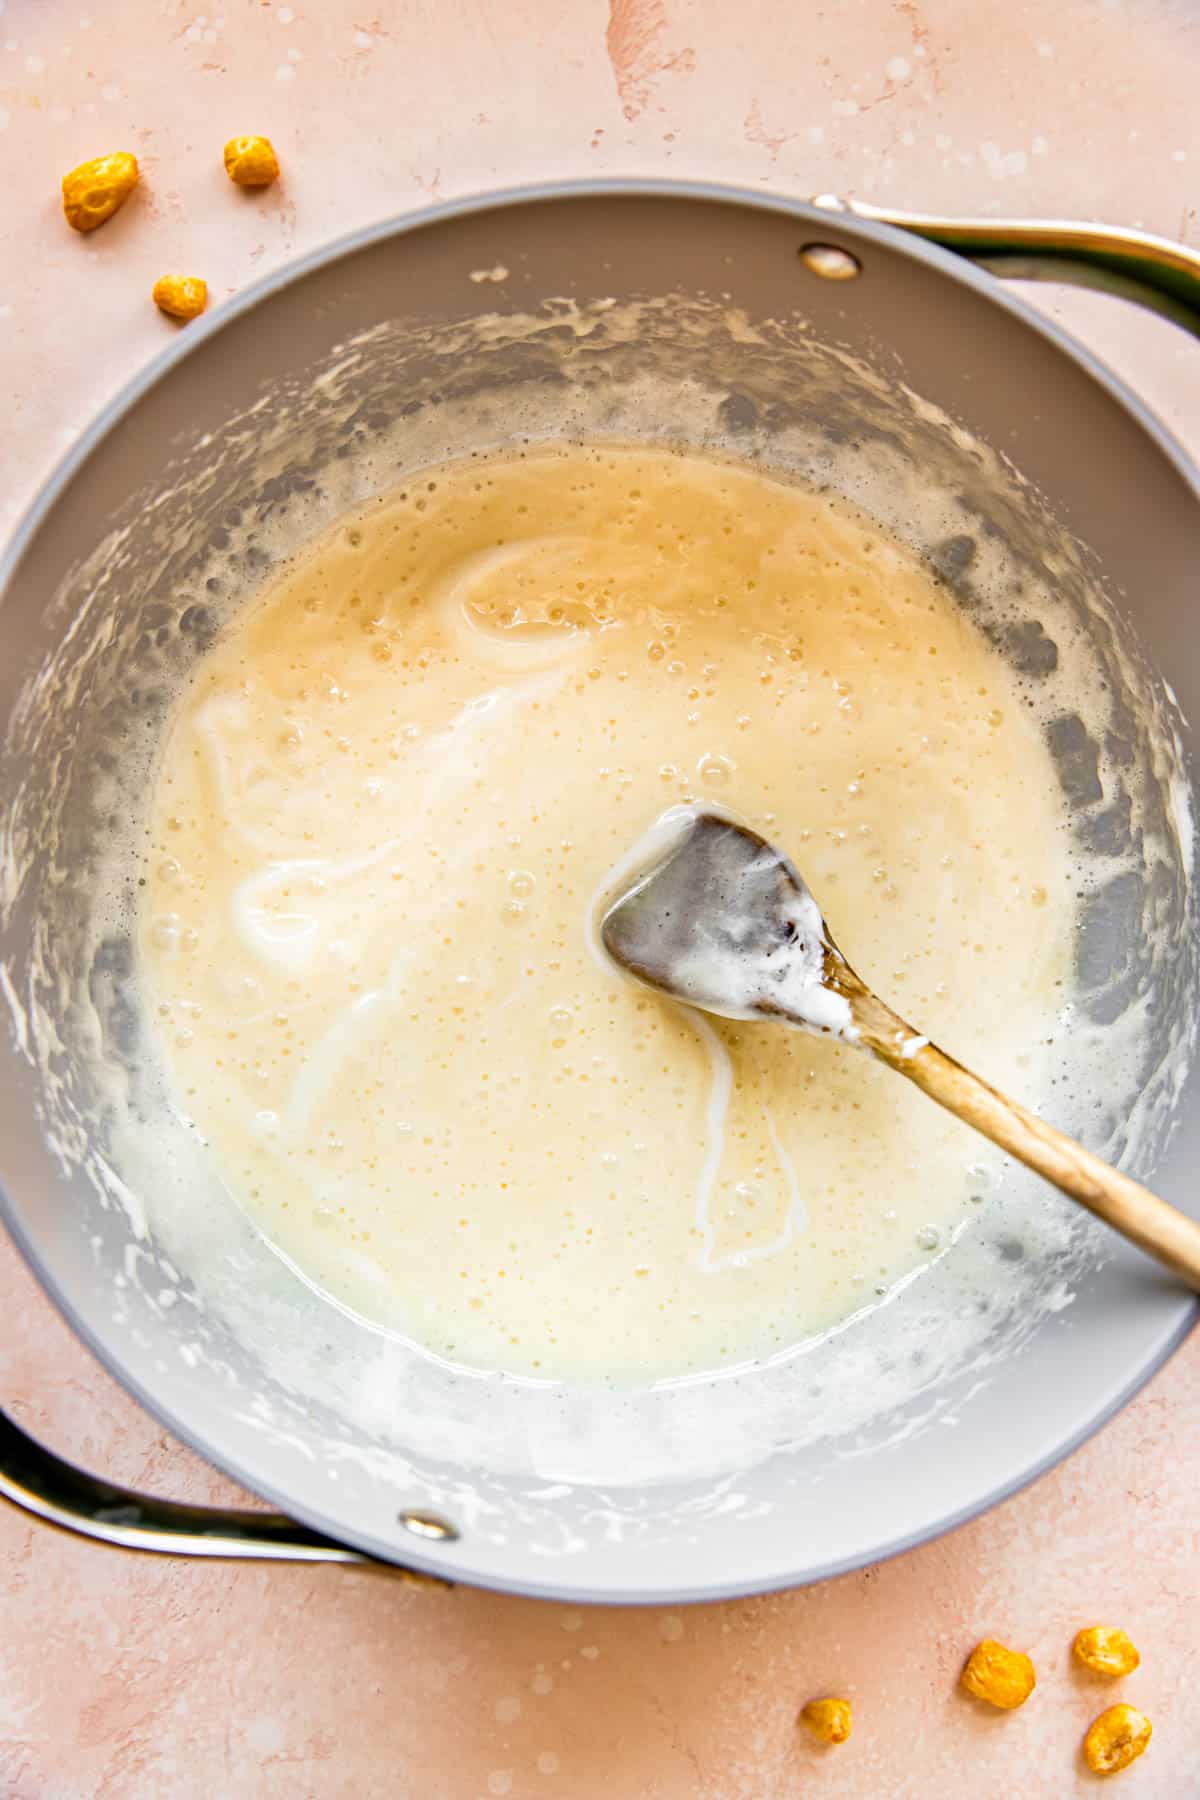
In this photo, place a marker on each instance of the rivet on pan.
(830, 263)
(428, 1525)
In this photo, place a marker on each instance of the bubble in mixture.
(165, 932)
(715, 770)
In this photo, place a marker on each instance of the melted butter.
(386, 805)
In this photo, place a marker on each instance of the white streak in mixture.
(329, 1053)
(716, 1113)
(716, 1117)
(291, 937)
(797, 1210)
(500, 643)
(337, 1042)
(652, 847)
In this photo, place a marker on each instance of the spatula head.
(721, 919)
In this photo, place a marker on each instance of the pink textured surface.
(125, 1678)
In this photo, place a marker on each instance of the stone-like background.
(131, 1679)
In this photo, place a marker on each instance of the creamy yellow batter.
(387, 804)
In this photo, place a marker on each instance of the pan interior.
(174, 1255)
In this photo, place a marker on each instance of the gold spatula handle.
(1121, 1202)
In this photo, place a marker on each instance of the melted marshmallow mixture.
(389, 808)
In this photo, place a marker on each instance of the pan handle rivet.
(830, 262)
(428, 1525)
